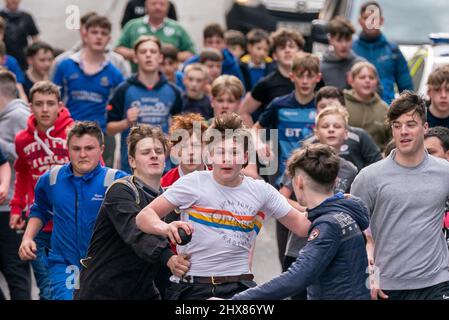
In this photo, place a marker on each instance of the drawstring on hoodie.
(42, 144)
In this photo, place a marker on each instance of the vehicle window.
(411, 21)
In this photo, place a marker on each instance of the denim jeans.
(40, 265)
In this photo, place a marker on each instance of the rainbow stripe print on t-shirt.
(226, 219)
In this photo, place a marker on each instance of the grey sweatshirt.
(406, 206)
(13, 119)
(334, 70)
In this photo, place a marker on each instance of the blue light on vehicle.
(439, 38)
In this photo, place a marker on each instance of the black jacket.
(333, 263)
(122, 261)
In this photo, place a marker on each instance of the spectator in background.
(294, 114)
(189, 152)
(226, 92)
(40, 57)
(359, 148)
(136, 9)
(195, 99)
(5, 177)
(339, 58)
(9, 63)
(384, 55)
(257, 63)
(285, 44)
(13, 119)
(19, 26)
(170, 62)
(213, 38)
(366, 108)
(87, 79)
(146, 97)
(436, 141)
(235, 41)
(438, 92)
(39, 147)
(155, 23)
(116, 59)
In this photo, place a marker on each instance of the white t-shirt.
(226, 220)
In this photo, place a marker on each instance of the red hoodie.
(37, 152)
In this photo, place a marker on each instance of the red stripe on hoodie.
(37, 152)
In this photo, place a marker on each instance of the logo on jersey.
(315, 233)
(169, 31)
(142, 30)
(97, 197)
(104, 81)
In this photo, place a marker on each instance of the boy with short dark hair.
(294, 114)
(40, 58)
(285, 44)
(170, 63)
(70, 195)
(236, 43)
(400, 205)
(339, 58)
(333, 263)
(257, 63)
(438, 92)
(213, 37)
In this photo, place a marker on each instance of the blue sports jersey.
(86, 96)
(294, 121)
(12, 65)
(156, 106)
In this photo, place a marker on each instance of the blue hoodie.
(389, 62)
(73, 204)
(333, 263)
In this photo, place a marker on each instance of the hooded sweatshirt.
(334, 69)
(333, 263)
(38, 152)
(12, 120)
(370, 115)
(389, 62)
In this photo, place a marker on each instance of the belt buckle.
(213, 281)
(187, 279)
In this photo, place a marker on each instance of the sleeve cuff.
(167, 253)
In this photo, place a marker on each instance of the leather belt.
(217, 279)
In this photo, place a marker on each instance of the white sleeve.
(184, 192)
(275, 204)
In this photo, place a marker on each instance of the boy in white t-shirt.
(224, 211)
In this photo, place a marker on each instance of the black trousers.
(188, 291)
(301, 295)
(17, 273)
(437, 292)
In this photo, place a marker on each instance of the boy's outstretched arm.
(297, 222)
(310, 264)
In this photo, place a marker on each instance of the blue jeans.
(40, 265)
